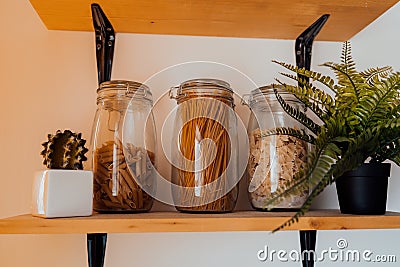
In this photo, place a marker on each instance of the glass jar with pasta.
(123, 148)
(204, 147)
(274, 158)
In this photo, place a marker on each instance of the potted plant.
(64, 189)
(360, 121)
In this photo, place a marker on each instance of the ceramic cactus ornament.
(63, 189)
(64, 150)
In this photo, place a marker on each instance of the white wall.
(48, 82)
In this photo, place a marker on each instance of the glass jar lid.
(203, 87)
(267, 94)
(129, 89)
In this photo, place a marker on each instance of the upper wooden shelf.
(275, 19)
(181, 222)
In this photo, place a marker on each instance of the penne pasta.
(116, 187)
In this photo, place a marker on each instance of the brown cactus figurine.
(64, 150)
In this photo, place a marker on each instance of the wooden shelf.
(181, 222)
(277, 19)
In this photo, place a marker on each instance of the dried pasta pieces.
(118, 172)
(273, 161)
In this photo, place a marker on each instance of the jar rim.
(266, 93)
(131, 88)
(206, 82)
(203, 87)
(269, 89)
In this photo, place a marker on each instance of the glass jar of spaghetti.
(204, 147)
(123, 148)
(274, 158)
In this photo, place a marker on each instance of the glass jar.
(273, 159)
(204, 147)
(123, 148)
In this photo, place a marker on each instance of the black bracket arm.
(304, 42)
(105, 43)
(303, 49)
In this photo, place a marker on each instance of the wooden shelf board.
(275, 19)
(181, 222)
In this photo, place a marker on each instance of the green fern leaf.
(375, 105)
(325, 80)
(297, 114)
(319, 161)
(300, 134)
(370, 75)
(320, 103)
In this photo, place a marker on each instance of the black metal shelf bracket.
(96, 249)
(105, 43)
(303, 52)
(304, 42)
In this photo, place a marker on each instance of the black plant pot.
(363, 191)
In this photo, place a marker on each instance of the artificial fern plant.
(360, 120)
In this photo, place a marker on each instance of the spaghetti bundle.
(205, 148)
